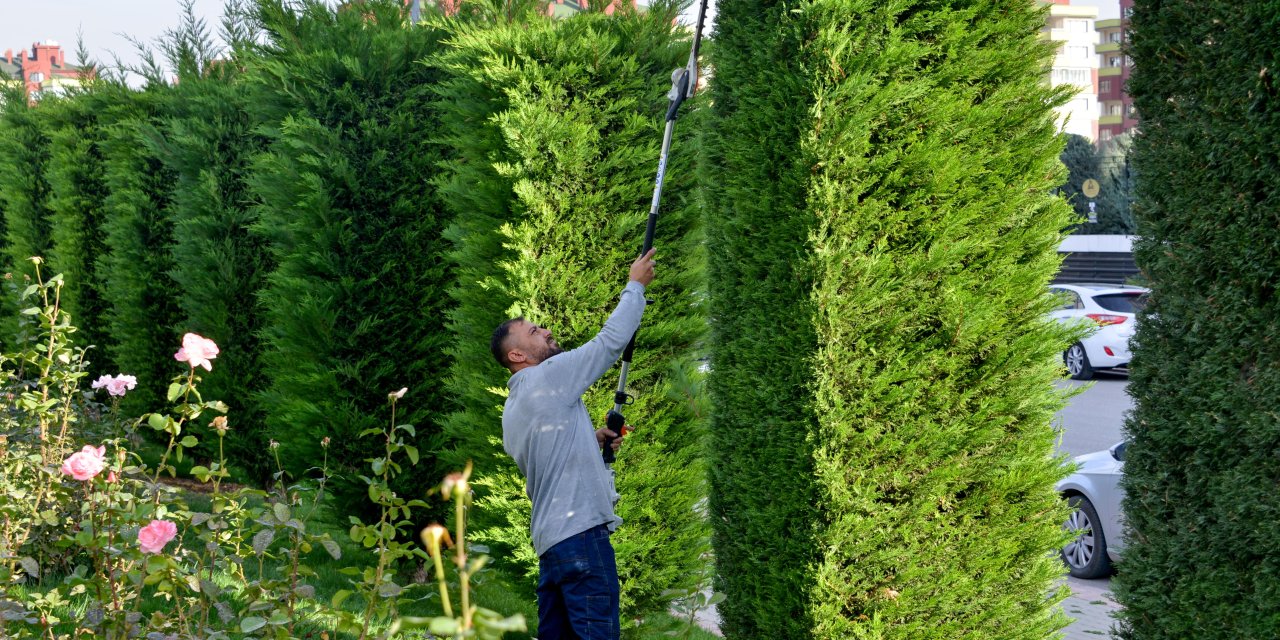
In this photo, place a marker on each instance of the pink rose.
(153, 537)
(85, 463)
(197, 351)
(116, 385)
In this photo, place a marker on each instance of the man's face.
(531, 342)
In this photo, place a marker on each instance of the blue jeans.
(578, 589)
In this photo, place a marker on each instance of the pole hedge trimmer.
(684, 82)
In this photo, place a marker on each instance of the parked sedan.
(1110, 310)
(1094, 494)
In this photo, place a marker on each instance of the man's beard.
(549, 351)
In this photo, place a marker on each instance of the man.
(546, 429)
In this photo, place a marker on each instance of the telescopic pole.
(684, 82)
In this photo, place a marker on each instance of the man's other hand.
(604, 434)
(642, 268)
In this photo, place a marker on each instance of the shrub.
(355, 300)
(219, 265)
(140, 299)
(93, 539)
(78, 126)
(554, 129)
(881, 236)
(24, 194)
(1203, 554)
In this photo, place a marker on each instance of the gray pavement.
(1092, 421)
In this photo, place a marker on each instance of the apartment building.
(1072, 28)
(1117, 115)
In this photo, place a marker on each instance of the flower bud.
(324, 442)
(454, 482)
(396, 395)
(219, 424)
(432, 535)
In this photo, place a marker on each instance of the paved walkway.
(1090, 605)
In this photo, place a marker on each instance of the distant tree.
(1081, 160)
(1115, 208)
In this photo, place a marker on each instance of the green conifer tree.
(78, 130)
(24, 194)
(555, 128)
(218, 264)
(139, 297)
(881, 233)
(354, 306)
(1203, 554)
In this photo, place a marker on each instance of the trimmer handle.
(614, 422)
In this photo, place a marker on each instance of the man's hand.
(642, 268)
(603, 434)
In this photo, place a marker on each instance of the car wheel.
(1077, 362)
(1086, 555)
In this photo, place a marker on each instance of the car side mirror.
(1117, 450)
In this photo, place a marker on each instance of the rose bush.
(95, 541)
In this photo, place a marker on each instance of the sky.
(104, 23)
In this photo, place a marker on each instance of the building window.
(1104, 86)
(1076, 52)
(1077, 26)
(1079, 77)
(1128, 12)
(1115, 36)
(1115, 110)
(1104, 135)
(1113, 61)
(36, 77)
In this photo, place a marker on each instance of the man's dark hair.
(497, 343)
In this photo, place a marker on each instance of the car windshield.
(1121, 302)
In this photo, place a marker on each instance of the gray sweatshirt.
(545, 427)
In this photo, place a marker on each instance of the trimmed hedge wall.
(1203, 554)
(76, 173)
(555, 128)
(24, 195)
(139, 296)
(356, 299)
(219, 265)
(882, 369)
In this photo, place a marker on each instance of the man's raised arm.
(581, 367)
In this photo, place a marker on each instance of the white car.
(1109, 310)
(1097, 521)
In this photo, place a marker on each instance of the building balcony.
(1110, 71)
(1073, 37)
(1106, 120)
(1108, 24)
(1107, 47)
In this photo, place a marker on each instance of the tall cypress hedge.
(219, 265)
(881, 233)
(356, 299)
(554, 128)
(140, 298)
(1203, 555)
(24, 193)
(78, 125)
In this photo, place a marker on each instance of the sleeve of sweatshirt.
(578, 369)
